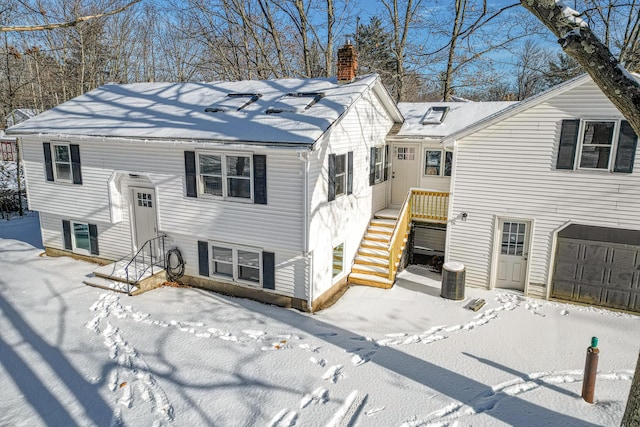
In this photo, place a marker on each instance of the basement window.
(434, 116)
(239, 264)
(233, 102)
(295, 102)
(338, 254)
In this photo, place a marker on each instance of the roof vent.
(295, 102)
(233, 102)
(434, 116)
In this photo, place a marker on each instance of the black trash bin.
(452, 280)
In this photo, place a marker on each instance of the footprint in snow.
(333, 374)
(320, 395)
(308, 347)
(320, 362)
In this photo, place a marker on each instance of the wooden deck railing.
(421, 205)
(429, 205)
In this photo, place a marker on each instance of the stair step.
(376, 237)
(112, 285)
(381, 222)
(380, 230)
(370, 280)
(368, 260)
(373, 244)
(370, 269)
(371, 252)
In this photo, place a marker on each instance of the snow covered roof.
(20, 115)
(262, 111)
(441, 119)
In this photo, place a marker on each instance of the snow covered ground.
(75, 355)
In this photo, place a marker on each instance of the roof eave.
(516, 108)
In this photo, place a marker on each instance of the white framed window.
(80, 237)
(228, 175)
(433, 164)
(597, 144)
(378, 164)
(341, 174)
(237, 263)
(62, 162)
(338, 259)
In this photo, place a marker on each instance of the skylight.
(434, 116)
(295, 102)
(233, 102)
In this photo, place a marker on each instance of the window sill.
(209, 197)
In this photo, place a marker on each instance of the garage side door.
(597, 273)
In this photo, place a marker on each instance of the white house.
(263, 186)
(546, 199)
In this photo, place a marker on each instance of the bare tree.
(578, 41)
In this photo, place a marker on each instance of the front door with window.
(145, 226)
(513, 254)
(405, 170)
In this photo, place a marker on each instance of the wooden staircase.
(371, 265)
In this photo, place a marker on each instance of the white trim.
(495, 251)
(234, 263)
(443, 162)
(224, 176)
(55, 163)
(612, 150)
(74, 245)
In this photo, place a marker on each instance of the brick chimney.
(347, 63)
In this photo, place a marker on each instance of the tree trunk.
(632, 413)
(580, 43)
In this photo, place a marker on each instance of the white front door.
(513, 254)
(145, 225)
(405, 170)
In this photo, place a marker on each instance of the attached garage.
(598, 266)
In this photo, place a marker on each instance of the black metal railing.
(151, 255)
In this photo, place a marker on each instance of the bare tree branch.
(578, 41)
(72, 23)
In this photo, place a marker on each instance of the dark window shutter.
(48, 163)
(332, 177)
(626, 152)
(203, 258)
(350, 172)
(260, 179)
(93, 239)
(190, 173)
(568, 143)
(386, 162)
(76, 171)
(372, 167)
(66, 231)
(268, 270)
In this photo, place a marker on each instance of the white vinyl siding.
(508, 170)
(345, 219)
